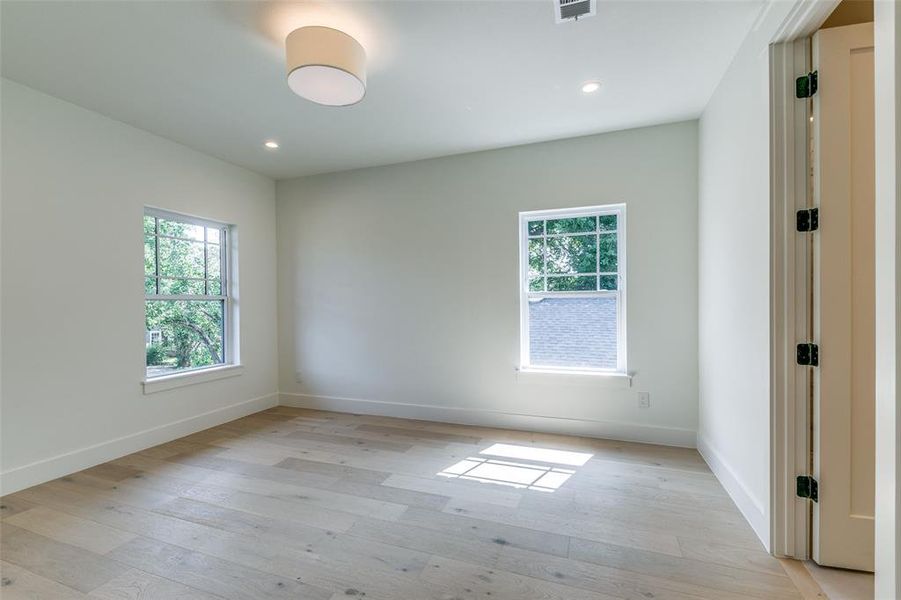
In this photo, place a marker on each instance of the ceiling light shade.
(326, 66)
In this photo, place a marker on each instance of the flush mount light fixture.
(590, 87)
(326, 66)
(271, 144)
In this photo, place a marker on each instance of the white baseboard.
(77, 460)
(630, 432)
(751, 507)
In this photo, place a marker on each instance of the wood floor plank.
(279, 532)
(144, 496)
(469, 581)
(716, 552)
(138, 585)
(346, 440)
(111, 471)
(420, 433)
(305, 496)
(684, 570)
(487, 493)
(69, 529)
(274, 507)
(599, 530)
(311, 477)
(147, 464)
(178, 447)
(390, 494)
(14, 504)
(17, 583)
(445, 525)
(801, 577)
(676, 521)
(628, 585)
(213, 575)
(69, 565)
(343, 472)
(460, 547)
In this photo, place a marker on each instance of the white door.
(844, 304)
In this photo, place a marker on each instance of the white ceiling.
(444, 77)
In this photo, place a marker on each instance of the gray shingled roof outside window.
(573, 332)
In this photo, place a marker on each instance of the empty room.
(450, 299)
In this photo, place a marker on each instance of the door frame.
(790, 291)
(790, 284)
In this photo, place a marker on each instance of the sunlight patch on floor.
(548, 455)
(541, 475)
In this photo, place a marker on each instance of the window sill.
(562, 376)
(168, 382)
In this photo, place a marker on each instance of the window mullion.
(206, 275)
(156, 250)
(224, 328)
(223, 262)
(544, 254)
(597, 253)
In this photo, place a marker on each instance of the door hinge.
(808, 355)
(806, 85)
(807, 487)
(808, 219)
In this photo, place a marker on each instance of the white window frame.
(230, 349)
(620, 293)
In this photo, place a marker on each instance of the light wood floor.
(292, 503)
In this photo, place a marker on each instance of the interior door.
(844, 298)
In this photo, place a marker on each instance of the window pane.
(212, 235)
(212, 260)
(182, 230)
(149, 255)
(536, 227)
(572, 284)
(183, 334)
(572, 254)
(608, 282)
(576, 225)
(149, 225)
(573, 332)
(175, 287)
(536, 257)
(607, 258)
(536, 284)
(607, 222)
(215, 286)
(149, 285)
(180, 258)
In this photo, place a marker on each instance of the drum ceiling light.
(326, 66)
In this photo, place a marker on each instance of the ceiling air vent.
(573, 10)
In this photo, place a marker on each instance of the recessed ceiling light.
(271, 144)
(590, 87)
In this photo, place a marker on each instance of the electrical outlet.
(298, 377)
(644, 400)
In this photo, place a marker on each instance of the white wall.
(398, 285)
(734, 267)
(74, 185)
